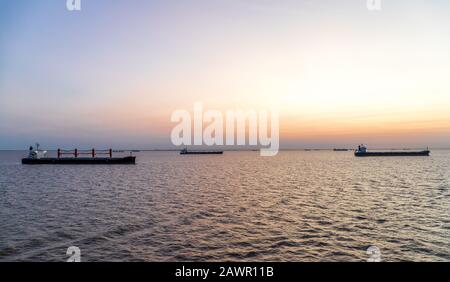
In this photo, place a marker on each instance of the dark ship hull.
(393, 154)
(79, 161)
(201, 152)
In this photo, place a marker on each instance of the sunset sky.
(113, 73)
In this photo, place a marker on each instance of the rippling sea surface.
(297, 206)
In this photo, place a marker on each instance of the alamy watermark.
(374, 254)
(374, 5)
(212, 127)
(73, 5)
(74, 253)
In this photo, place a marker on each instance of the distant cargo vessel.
(362, 152)
(341, 150)
(186, 152)
(39, 157)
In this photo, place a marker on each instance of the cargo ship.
(185, 151)
(362, 152)
(39, 157)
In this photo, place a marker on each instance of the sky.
(112, 74)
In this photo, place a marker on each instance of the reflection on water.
(298, 206)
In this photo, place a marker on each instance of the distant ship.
(341, 150)
(362, 152)
(39, 157)
(186, 152)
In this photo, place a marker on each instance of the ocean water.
(297, 206)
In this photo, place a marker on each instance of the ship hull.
(79, 161)
(202, 153)
(393, 154)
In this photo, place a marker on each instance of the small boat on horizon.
(362, 152)
(186, 152)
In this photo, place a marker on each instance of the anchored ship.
(186, 152)
(362, 152)
(39, 157)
